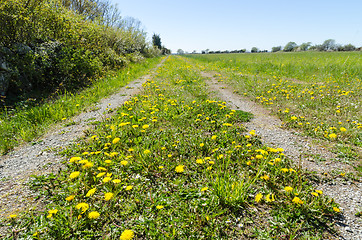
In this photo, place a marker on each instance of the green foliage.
(156, 40)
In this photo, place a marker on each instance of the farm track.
(346, 193)
(43, 157)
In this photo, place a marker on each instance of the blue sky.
(230, 24)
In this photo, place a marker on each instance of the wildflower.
(180, 168)
(211, 162)
(102, 169)
(204, 189)
(87, 165)
(83, 206)
(265, 177)
(12, 216)
(297, 200)
(332, 136)
(93, 215)
(100, 174)
(159, 206)
(259, 156)
(51, 212)
(201, 144)
(108, 196)
(116, 180)
(74, 159)
(74, 175)
(124, 162)
(106, 179)
(126, 235)
(146, 152)
(258, 197)
(319, 191)
(108, 161)
(336, 209)
(135, 126)
(116, 140)
(293, 118)
(145, 126)
(343, 129)
(288, 189)
(248, 163)
(314, 194)
(199, 161)
(268, 199)
(91, 192)
(129, 188)
(213, 137)
(70, 198)
(252, 133)
(160, 167)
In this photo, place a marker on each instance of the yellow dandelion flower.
(201, 144)
(91, 192)
(146, 152)
(258, 197)
(116, 181)
(297, 200)
(180, 168)
(248, 163)
(116, 140)
(319, 191)
(214, 137)
(314, 194)
(211, 162)
(265, 177)
(293, 118)
(204, 189)
(74, 175)
(108, 161)
(106, 179)
(332, 136)
(93, 215)
(288, 189)
(100, 174)
(145, 126)
(87, 165)
(74, 159)
(259, 156)
(102, 169)
(159, 206)
(342, 129)
(70, 198)
(268, 199)
(199, 161)
(124, 162)
(13, 216)
(108, 196)
(336, 209)
(83, 206)
(160, 167)
(126, 235)
(128, 188)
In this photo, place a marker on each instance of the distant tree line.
(327, 45)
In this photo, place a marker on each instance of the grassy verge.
(24, 124)
(317, 93)
(173, 164)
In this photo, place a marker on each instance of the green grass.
(24, 124)
(318, 93)
(174, 164)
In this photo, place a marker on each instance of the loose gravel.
(300, 149)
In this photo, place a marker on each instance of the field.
(318, 94)
(175, 163)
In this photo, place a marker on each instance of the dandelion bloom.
(258, 197)
(116, 180)
(116, 140)
(70, 198)
(204, 189)
(160, 167)
(51, 212)
(159, 206)
(332, 136)
(213, 137)
(129, 188)
(288, 189)
(91, 192)
(146, 152)
(93, 215)
(199, 161)
(179, 168)
(100, 174)
(124, 162)
(107, 179)
(74, 175)
(126, 235)
(297, 200)
(108, 196)
(87, 165)
(145, 126)
(74, 159)
(201, 144)
(343, 129)
(268, 199)
(319, 191)
(83, 206)
(293, 118)
(12, 216)
(314, 194)
(248, 163)
(259, 156)
(336, 209)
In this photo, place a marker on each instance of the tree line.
(48, 45)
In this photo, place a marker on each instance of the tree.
(180, 51)
(156, 41)
(276, 49)
(254, 49)
(305, 46)
(290, 47)
(329, 45)
(349, 47)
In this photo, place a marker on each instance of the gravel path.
(17, 166)
(347, 193)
